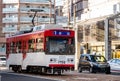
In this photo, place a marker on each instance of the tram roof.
(37, 29)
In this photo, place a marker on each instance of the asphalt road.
(7, 75)
(21, 77)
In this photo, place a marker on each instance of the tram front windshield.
(60, 46)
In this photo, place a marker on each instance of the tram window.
(31, 43)
(12, 47)
(39, 44)
(39, 40)
(60, 46)
(18, 47)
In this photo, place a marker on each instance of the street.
(68, 76)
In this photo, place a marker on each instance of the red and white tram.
(47, 50)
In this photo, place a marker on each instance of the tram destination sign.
(62, 33)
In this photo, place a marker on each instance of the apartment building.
(19, 14)
(75, 8)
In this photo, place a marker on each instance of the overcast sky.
(59, 2)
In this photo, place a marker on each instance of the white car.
(114, 65)
(2, 61)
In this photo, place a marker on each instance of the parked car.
(115, 65)
(2, 61)
(93, 63)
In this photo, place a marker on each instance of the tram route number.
(61, 62)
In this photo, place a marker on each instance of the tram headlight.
(53, 59)
(70, 60)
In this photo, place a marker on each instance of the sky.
(59, 2)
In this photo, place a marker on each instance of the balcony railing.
(9, 29)
(10, 1)
(10, 10)
(26, 20)
(45, 10)
(10, 20)
(34, 1)
(45, 19)
(26, 1)
(15, 10)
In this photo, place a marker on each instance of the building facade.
(92, 26)
(2, 35)
(88, 18)
(19, 14)
(73, 9)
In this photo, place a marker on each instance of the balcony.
(10, 10)
(35, 1)
(10, 1)
(25, 1)
(9, 29)
(45, 20)
(25, 19)
(10, 20)
(45, 10)
(42, 20)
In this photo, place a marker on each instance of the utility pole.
(76, 38)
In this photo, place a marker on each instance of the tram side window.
(18, 47)
(7, 48)
(31, 43)
(12, 47)
(39, 44)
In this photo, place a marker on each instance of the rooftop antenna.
(35, 10)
